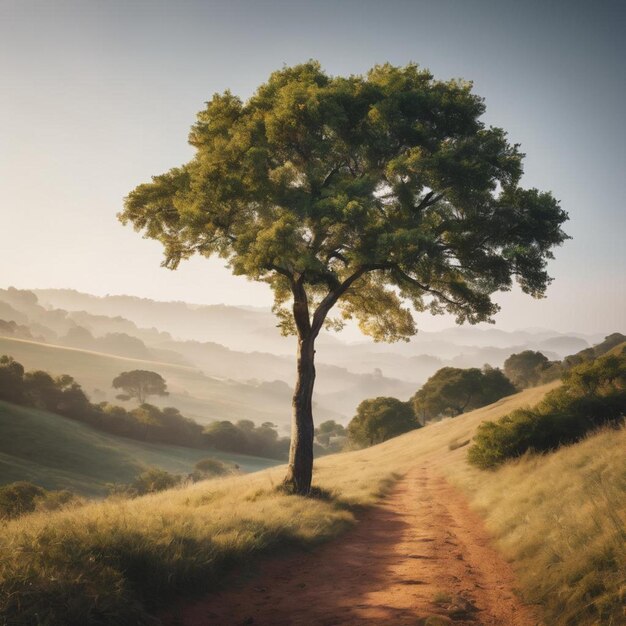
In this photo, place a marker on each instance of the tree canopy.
(378, 193)
(525, 369)
(452, 391)
(140, 384)
(379, 419)
(390, 178)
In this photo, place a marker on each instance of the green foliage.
(23, 497)
(154, 480)
(526, 369)
(379, 419)
(452, 391)
(370, 191)
(149, 423)
(19, 498)
(55, 452)
(244, 437)
(140, 384)
(328, 431)
(529, 368)
(11, 377)
(213, 467)
(592, 394)
(610, 342)
(63, 395)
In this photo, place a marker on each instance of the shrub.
(208, 468)
(151, 480)
(23, 497)
(19, 498)
(593, 394)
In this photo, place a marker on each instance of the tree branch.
(428, 200)
(281, 270)
(336, 254)
(331, 298)
(427, 288)
(329, 176)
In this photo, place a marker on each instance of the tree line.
(452, 391)
(593, 394)
(64, 396)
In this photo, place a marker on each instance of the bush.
(24, 497)
(19, 498)
(152, 480)
(209, 468)
(593, 394)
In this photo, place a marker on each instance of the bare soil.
(421, 557)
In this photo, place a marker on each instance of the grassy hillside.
(87, 566)
(194, 394)
(59, 453)
(561, 518)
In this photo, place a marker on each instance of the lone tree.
(140, 384)
(372, 192)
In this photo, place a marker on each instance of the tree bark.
(300, 470)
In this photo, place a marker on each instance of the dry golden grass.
(561, 519)
(106, 562)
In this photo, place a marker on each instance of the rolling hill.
(58, 453)
(200, 397)
(557, 517)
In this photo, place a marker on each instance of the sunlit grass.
(561, 519)
(107, 562)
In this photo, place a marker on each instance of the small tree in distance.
(374, 193)
(379, 419)
(451, 391)
(140, 384)
(526, 368)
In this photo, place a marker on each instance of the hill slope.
(198, 396)
(188, 538)
(58, 453)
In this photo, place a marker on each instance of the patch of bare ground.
(421, 557)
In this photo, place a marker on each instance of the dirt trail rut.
(418, 556)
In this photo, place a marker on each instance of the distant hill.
(241, 353)
(198, 396)
(58, 453)
(236, 327)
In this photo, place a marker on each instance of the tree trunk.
(300, 470)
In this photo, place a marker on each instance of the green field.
(196, 395)
(59, 453)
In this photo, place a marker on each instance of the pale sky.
(97, 96)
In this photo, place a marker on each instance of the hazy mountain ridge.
(242, 352)
(222, 321)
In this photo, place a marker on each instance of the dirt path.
(420, 554)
